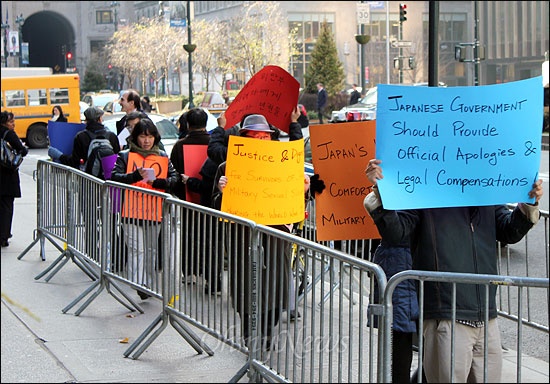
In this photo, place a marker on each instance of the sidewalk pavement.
(40, 344)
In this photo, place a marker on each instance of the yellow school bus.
(31, 100)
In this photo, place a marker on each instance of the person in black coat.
(322, 98)
(355, 95)
(193, 261)
(10, 187)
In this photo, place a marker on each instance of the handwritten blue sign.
(458, 146)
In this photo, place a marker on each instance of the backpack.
(100, 147)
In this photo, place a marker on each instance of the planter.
(167, 107)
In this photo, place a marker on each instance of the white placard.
(363, 13)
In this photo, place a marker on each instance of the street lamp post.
(5, 28)
(362, 40)
(189, 48)
(115, 5)
(20, 20)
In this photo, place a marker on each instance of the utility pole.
(433, 44)
(402, 18)
(189, 48)
(478, 51)
(115, 5)
(476, 44)
(5, 28)
(20, 20)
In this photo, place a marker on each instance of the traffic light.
(402, 12)
(69, 55)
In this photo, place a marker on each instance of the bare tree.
(260, 36)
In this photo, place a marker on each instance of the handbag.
(9, 157)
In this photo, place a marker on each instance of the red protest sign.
(272, 92)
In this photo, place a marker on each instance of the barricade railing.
(124, 240)
(235, 280)
(52, 195)
(57, 187)
(530, 258)
(197, 242)
(333, 340)
(486, 283)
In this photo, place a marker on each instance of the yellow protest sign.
(265, 180)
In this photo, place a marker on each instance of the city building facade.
(498, 41)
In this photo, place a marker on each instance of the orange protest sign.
(272, 92)
(340, 154)
(138, 205)
(265, 180)
(193, 159)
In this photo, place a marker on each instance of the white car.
(364, 110)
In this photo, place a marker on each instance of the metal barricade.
(530, 257)
(332, 340)
(454, 279)
(52, 195)
(57, 187)
(124, 238)
(197, 244)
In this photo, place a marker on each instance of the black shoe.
(5, 243)
(293, 315)
(212, 292)
(143, 295)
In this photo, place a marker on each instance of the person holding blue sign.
(455, 239)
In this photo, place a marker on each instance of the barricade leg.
(62, 258)
(82, 295)
(40, 237)
(162, 318)
(128, 298)
(28, 248)
(183, 328)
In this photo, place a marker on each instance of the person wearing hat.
(276, 271)
(94, 124)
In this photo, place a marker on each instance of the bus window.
(59, 96)
(15, 98)
(31, 99)
(37, 97)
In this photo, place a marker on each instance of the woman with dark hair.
(10, 186)
(57, 114)
(140, 229)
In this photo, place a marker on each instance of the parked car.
(167, 129)
(214, 102)
(112, 106)
(99, 99)
(364, 110)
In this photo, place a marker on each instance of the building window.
(97, 46)
(104, 17)
(306, 27)
(377, 27)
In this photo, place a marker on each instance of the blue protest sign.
(458, 146)
(62, 135)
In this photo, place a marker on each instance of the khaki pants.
(469, 349)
